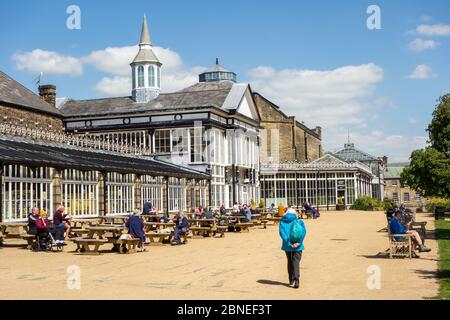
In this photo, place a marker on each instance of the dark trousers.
(293, 263)
(177, 232)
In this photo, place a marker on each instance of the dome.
(217, 73)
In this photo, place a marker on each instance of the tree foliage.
(429, 170)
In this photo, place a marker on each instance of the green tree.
(429, 170)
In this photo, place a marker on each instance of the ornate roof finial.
(217, 61)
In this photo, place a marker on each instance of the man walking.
(292, 232)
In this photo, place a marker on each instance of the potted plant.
(340, 205)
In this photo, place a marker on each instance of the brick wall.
(32, 118)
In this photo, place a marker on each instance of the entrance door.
(341, 193)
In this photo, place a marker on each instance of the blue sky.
(316, 59)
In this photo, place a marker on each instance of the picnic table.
(96, 238)
(118, 219)
(147, 217)
(78, 226)
(206, 227)
(157, 226)
(16, 230)
(235, 223)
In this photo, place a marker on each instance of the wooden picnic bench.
(243, 226)
(221, 230)
(159, 237)
(264, 223)
(128, 244)
(275, 220)
(29, 238)
(89, 246)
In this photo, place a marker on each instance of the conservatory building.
(320, 183)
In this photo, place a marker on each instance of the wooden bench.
(158, 237)
(84, 245)
(275, 220)
(128, 244)
(29, 238)
(201, 231)
(244, 226)
(403, 246)
(264, 223)
(1, 239)
(221, 230)
(78, 232)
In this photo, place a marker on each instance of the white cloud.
(116, 61)
(327, 98)
(114, 86)
(419, 45)
(433, 29)
(421, 72)
(397, 147)
(426, 18)
(48, 62)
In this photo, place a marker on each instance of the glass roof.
(350, 153)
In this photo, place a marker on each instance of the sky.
(317, 60)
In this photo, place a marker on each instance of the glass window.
(158, 77)
(151, 76)
(25, 188)
(141, 76)
(406, 197)
(151, 190)
(162, 141)
(198, 144)
(395, 196)
(417, 196)
(119, 193)
(80, 192)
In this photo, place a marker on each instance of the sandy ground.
(339, 249)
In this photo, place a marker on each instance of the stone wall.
(296, 142)
(31, 118)
(393, 186)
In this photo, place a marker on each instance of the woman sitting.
(135, 226)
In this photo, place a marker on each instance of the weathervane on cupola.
(145, 69)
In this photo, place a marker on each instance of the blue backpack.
(297, 232)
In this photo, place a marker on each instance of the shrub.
(366, 203)
(387, 203)
(341, 200)
(441, 202)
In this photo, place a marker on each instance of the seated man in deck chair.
(397, 228)
(135, 226)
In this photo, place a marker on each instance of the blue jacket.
(285, 229)
(135, 227)
(248, 214)
(397, 228)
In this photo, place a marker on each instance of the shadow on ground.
(273, 283)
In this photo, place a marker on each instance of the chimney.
(48, 93)
(318, 130)
(385, 161)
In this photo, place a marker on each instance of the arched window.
(151, 76)
(140, 76)
(133, 77)
(158, 77)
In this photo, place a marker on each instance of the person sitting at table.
(272, 208)
(147, 208)
(223, 210)
(198, 212)
(135, 226)
(247, 213)
(397, 228)
(207, 214)
(235, 209)
(181, 226)
(60, 221)
(32, 217)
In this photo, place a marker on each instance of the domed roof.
(217, 73)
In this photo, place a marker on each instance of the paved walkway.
(340, 247)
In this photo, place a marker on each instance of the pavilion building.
(211, 126)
